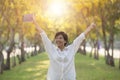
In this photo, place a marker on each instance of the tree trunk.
(84, 47)
(35, 51)
(1, 62)
(104, 34)
(19, 59)
(96, 50)
(7, 66)
(22, 57)
(107, 55)
(109, 58)
(22, 52)
(41, 49)
(119, 60)
(111, 44)
(14, 62)
(14, 59)
(1, 59)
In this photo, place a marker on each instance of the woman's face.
(59, 40)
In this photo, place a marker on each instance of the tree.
(108, 24)
(1, 59)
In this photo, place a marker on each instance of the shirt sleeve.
(76, 43)
(49, 47)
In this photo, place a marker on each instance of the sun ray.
(56, 8)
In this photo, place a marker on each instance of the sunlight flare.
(56, 8)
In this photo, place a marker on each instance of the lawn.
(35, 68)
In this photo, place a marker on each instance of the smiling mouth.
(58, 42)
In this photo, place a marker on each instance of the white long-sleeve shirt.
(61, 62)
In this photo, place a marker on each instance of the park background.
(22, 54)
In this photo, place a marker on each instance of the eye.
(61, 38)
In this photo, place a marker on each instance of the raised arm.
(76, 43)
(89, 28)
(49, 47)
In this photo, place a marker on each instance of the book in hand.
(28, 18)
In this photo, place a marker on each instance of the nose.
(57, 40)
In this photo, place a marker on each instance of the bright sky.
(56, 8)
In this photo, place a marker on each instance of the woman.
(61, 56)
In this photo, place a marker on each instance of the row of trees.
(11, 12)
(107, 16)
(80, 14)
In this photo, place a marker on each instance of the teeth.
(58, 42)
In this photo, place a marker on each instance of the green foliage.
(80, 13)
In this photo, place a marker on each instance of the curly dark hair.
(65, 36)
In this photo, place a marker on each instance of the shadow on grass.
(33, 69)
(89, 69)
(86, 68)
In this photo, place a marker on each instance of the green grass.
(90, 69)
(35, 68)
